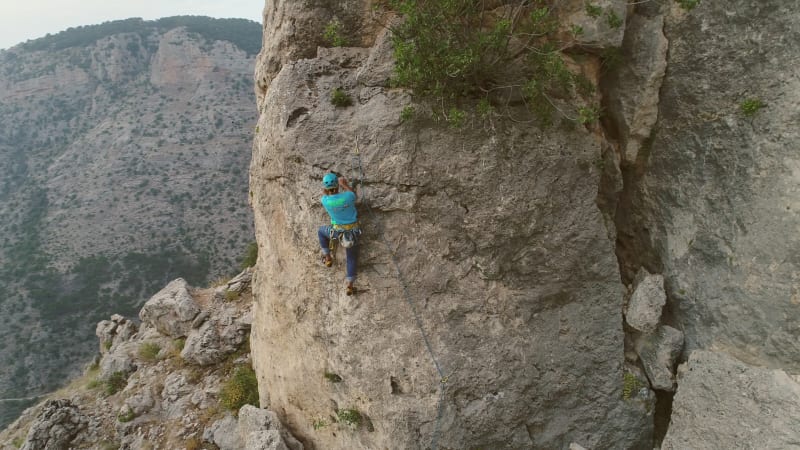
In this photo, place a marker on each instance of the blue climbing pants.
(324, 234)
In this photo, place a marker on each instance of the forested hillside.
(123, 148)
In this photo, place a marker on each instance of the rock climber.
(339, 200)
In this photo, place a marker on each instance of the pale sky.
(21, 20)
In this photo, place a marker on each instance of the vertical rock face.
(502, 251)
(723, 403)
(716, 203)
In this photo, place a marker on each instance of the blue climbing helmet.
(330, 181)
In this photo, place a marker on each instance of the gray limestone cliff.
(629, 284)
(710, 202)
(713, 200)
(516, 249)
(501, 249)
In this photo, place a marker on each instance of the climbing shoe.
(327, 260)
(351, 290)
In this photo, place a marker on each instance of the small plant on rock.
(333, 34)
(126, 417)
(629, 385)
(407, 114)
(588, 114)
(319, 424)
(614, 21)
(350, 417)
(332, 377)
(751, 106)
(456, 117)
(240, 389)
(593, 10)
(250, 256)
(688, 5)
(484, 109)
(148, 351)
(115, 383)
(339, 98)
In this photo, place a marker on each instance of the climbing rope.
(356, 160)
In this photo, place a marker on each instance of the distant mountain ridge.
(239, 32)
(124, 150)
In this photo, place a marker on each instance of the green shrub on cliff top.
(454, 52)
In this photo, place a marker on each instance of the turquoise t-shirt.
(341, 207)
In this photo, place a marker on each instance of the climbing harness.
(347, 235)
(407, 296)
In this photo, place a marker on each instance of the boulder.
(242, 281)
(171, 310)
(258, 427)
(723, 403)
(115, 330)
(658, 352)
(644, 307)
(216, 338)
(264, 440)
(141, 402)
(120, 358)
(105, 332)
(177, 396)
(58, 423)
(223, 433)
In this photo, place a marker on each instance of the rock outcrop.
(501, 249)
(144, 393)
(659, 352)
(723, 403)
(644, 307)
(255, 429)
(712, 200)
(172, 310)
(58, 423)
